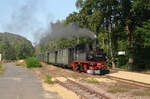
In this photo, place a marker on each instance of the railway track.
(131, 82)
(83, 91)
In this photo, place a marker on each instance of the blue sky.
(25, 17)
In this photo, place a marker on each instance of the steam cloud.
(59, 30)
(24, 21)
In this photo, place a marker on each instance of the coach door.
(56, 55)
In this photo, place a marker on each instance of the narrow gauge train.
(81, 58)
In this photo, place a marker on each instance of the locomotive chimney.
(95, 42)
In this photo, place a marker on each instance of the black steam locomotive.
(82, 58)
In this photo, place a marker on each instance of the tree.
(112, 16)
(79, 3)
(15, 47)
(133, 13)
(117, 23)
(97, 16)
(142, 44)
(7, 51)
(73, 17)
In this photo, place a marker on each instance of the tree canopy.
(119, 24)
(14, 47)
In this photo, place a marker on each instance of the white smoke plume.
(59, 30)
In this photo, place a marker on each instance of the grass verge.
(139, 93)
(94, 81)
(2, 69)
(20, 63)
(48, 79)
(120, 88)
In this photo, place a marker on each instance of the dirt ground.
(63, 92)
(102, 83)
(132, 76)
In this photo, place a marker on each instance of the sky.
(28, 17)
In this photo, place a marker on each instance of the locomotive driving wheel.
(78, 68)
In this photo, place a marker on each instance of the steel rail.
(91, 91)
(69, 88)
(136, 83)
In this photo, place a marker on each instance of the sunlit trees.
(14, 47)
(115, 22)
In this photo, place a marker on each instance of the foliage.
(120, 25)
(117, 22)
(142, 42)
(15, 47)
(142, 34)
(60, 43)
(32, 62)
(48, 79)
(79, 3)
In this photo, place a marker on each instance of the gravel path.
(145, 78)
(21, 83)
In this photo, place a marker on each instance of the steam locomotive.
(81, 58)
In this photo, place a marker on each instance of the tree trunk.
(103, 43)
(130, 61)
(110, 44)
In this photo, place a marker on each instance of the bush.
(32, 62)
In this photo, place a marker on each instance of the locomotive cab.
(96, 56)
(90, 60)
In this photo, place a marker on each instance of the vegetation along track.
(131, 82)
(83, 91)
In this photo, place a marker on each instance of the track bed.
(138, 77)
(116, 88)
(82, 90)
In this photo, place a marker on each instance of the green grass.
(32, 62)
(120, 88)
(2, 69)
(48, 79)
(21, 64)
(83, 78)
(116, 90)
(94, 81)
(116, 84)
(139, 93)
